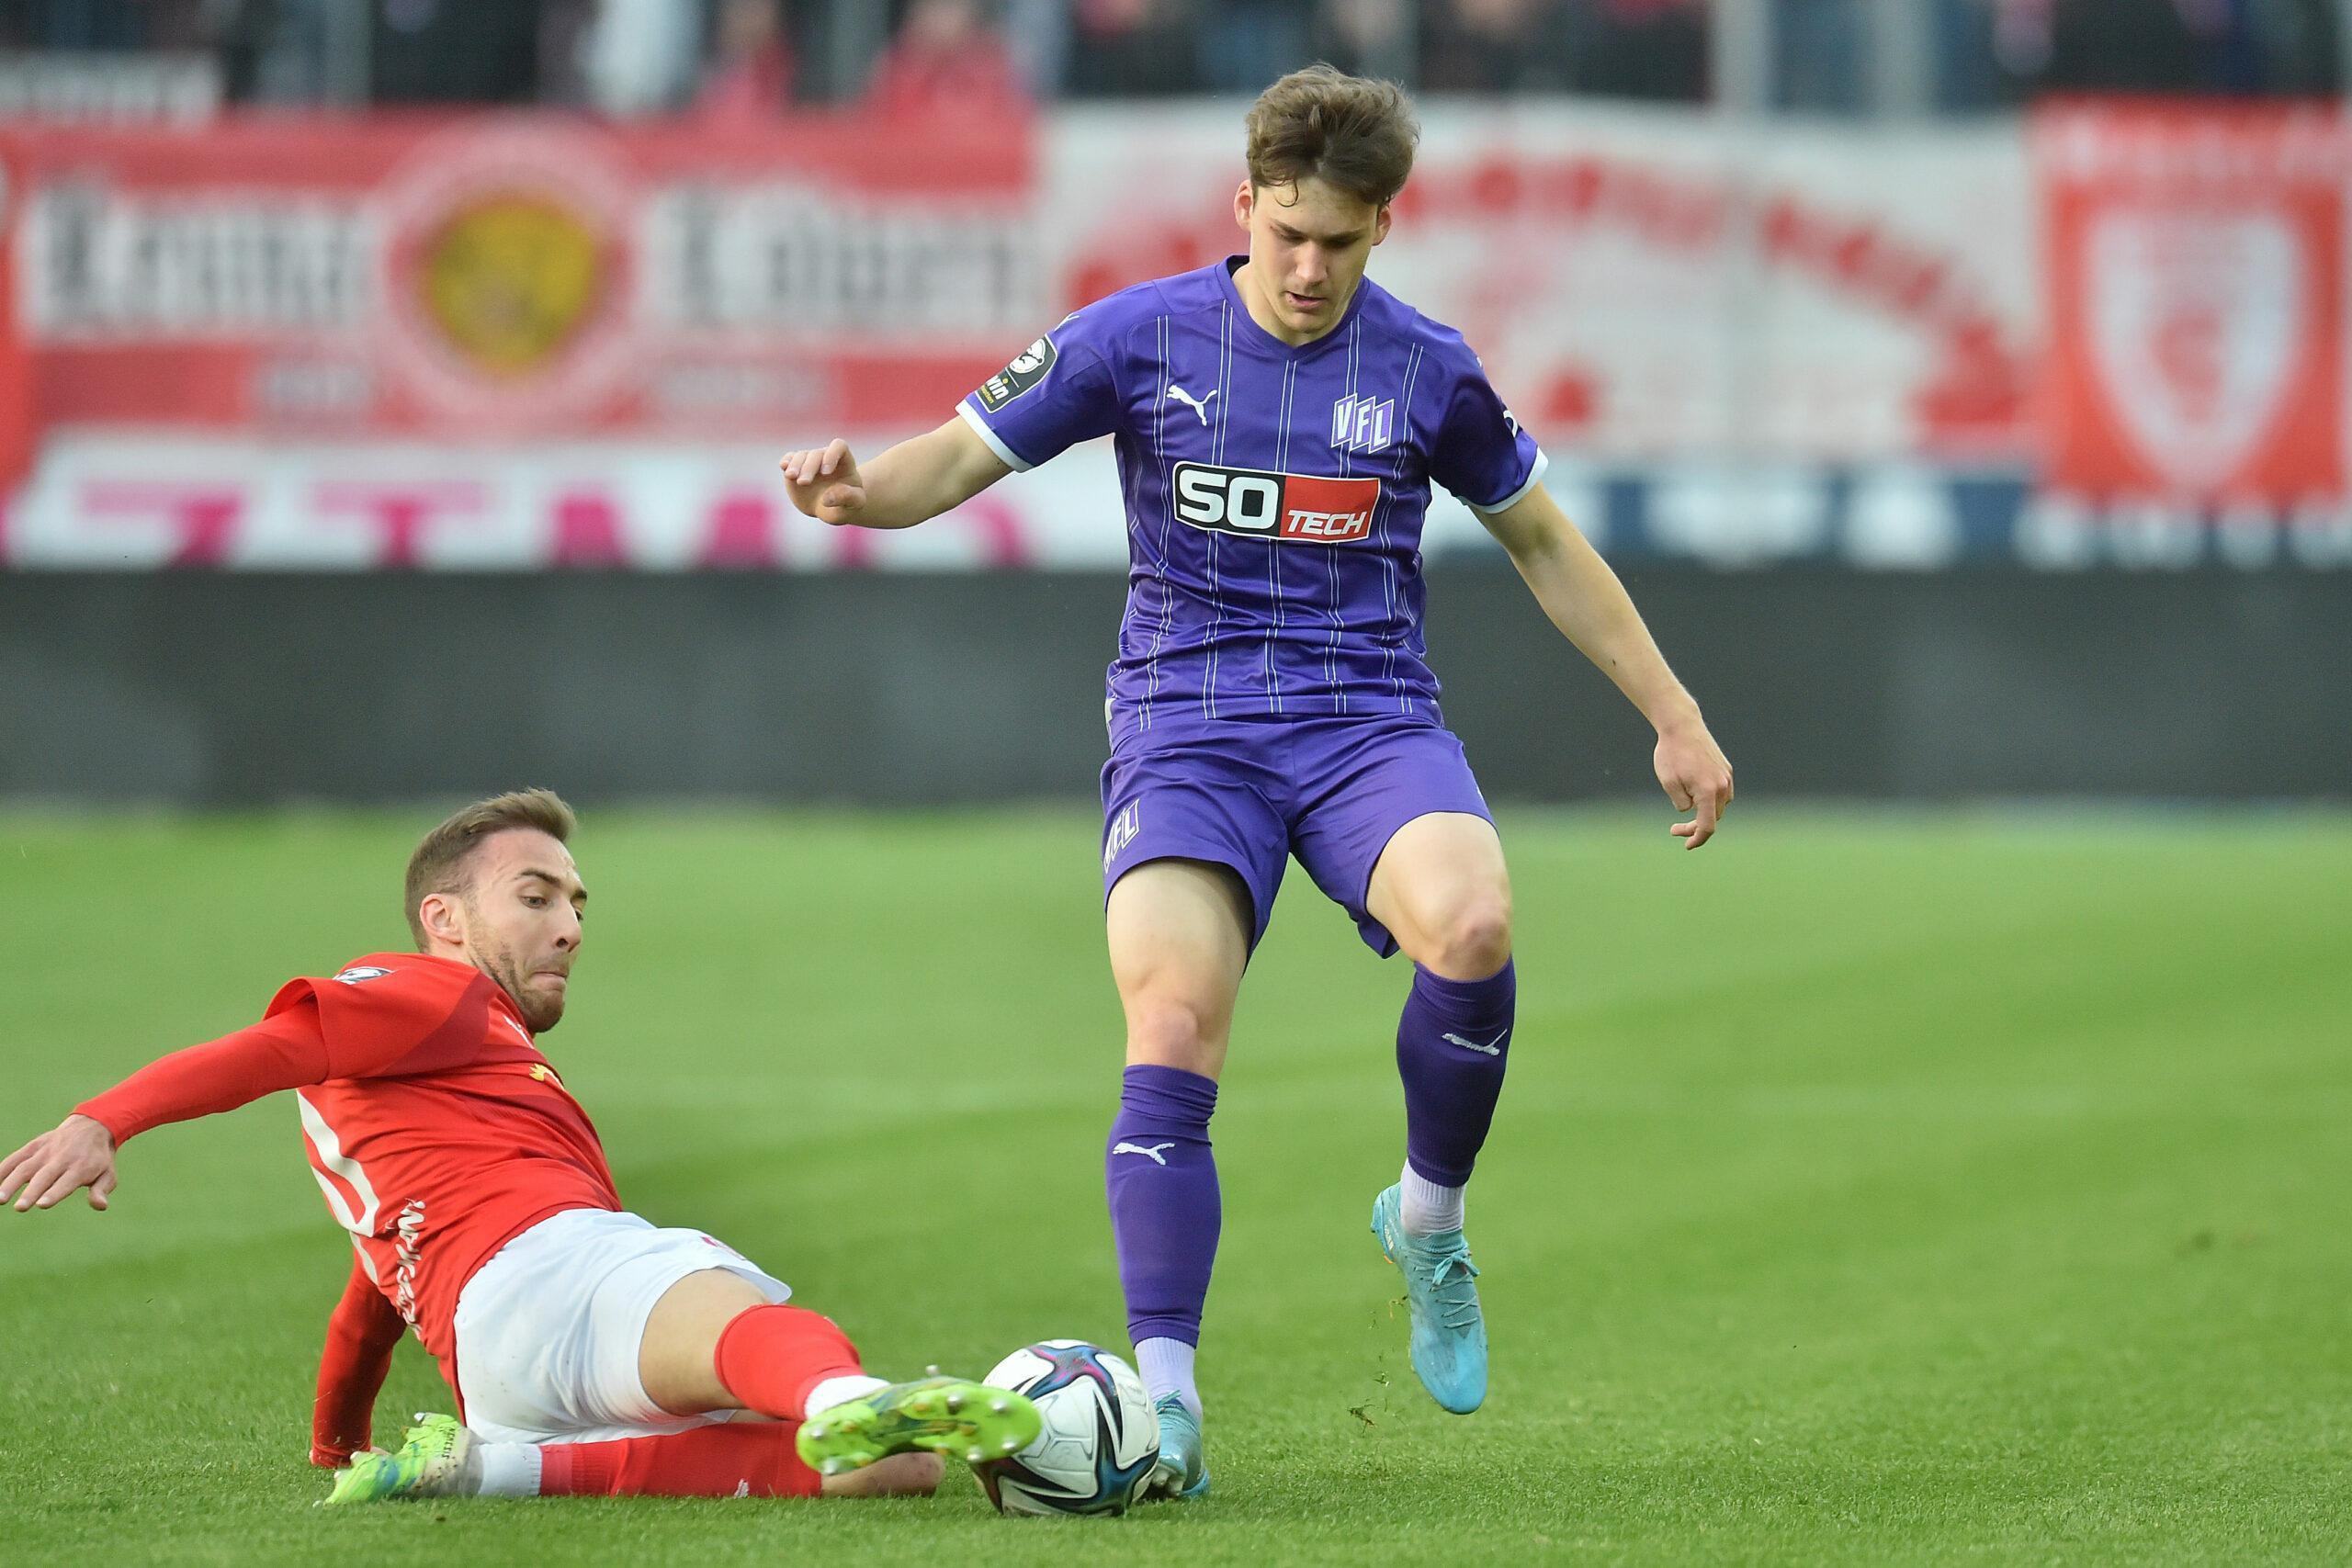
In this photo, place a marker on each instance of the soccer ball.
(1100, 1440)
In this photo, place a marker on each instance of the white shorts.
(548, 1330)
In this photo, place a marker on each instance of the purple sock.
(1164, 1208)
(1452, 1047)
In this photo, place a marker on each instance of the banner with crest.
(2196, 275)
(498, 278)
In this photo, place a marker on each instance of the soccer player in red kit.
(590, 1352)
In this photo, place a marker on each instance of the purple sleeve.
(1482, 455)
(1056, 393)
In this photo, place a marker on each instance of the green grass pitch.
(1879, 1190)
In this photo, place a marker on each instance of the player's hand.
(1696, 776)
(79, 1152)
(824, 482)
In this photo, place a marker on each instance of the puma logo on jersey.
(1151, 1154)
(1198, 405)
(1492, 1048)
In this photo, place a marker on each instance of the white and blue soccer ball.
(1100, 1437)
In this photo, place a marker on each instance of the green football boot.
(1183, 1471)
(1449, 1329)
(946, 1415)
(436, 1460)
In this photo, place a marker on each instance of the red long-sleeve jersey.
(438, 1131)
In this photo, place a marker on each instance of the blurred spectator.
(1818, 48)
(1246, 43)
(2181, 46)
(1494, 46)
(1369, 38)
(1132, 48)
(947, 60)
(280, 52)
(2302, 42)
(748, 80)
(1642, 48)
(75, 24)
(455, 51)
(1988, 51)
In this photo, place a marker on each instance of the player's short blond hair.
(1354, 133)
(439, 865)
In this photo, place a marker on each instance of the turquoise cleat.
(436, 1460)
(1449, 1331)
(1183, 1469)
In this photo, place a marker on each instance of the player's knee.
(1473, 939)
(1172, 1032)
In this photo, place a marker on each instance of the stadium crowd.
(755, 57)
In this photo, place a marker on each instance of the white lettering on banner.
(811, 261)
(98, 262)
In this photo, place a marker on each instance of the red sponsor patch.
(1331, 512)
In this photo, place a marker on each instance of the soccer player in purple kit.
(1278, 420)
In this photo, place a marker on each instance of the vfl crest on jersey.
(1363, 424)
(359, 972)
(1028, 368)
(1292, 508)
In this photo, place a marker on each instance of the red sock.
(770, 1357)
(744, 1459)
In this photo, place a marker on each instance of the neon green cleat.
(947, 1415)
(436, 1460)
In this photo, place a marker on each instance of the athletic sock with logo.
(1165, 1212)
(1452, 1046)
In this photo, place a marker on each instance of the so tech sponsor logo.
(1292, 508)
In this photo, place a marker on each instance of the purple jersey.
(1275, 495)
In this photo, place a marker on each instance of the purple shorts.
(1249, 794)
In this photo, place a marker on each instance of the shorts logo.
(1293, 508)
(1028, 368)
(359, 972)
(1363, 424)
(1124, 829)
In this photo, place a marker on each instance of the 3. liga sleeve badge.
(1028, 368)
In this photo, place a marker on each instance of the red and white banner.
(507, 341)
(505, 277)
(2196, 267)
(1649, 284)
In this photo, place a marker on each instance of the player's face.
(521, 920)
(1309, 246)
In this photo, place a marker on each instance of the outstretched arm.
(360, 1338)
(1585, 599)
(283, 1052)
(910, 483)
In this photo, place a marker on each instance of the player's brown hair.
(1354, 133)
(439, 864)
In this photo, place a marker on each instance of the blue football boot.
(1449, 1331)
(1183, 1469)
